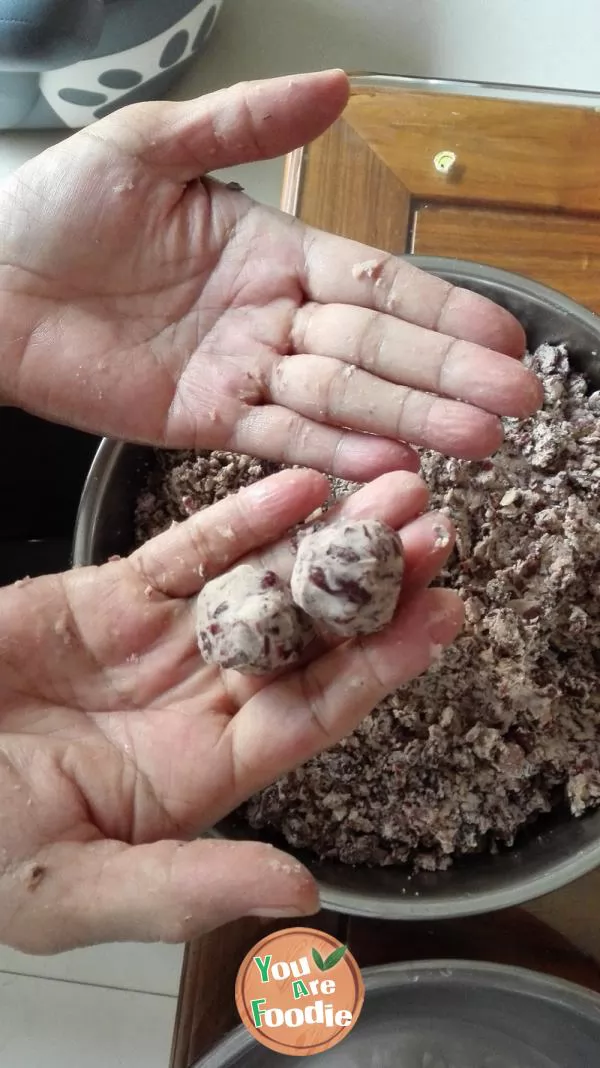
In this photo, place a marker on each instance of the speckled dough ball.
(348, 575)
(246, 619)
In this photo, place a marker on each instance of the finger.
(395, 498)
(336, 392)
(338, 271)
(427, 540)
(177, 562)
(296, 717)
(413, 356)
(283, 435)
(78, 895)
(245, 122)
(427, 543)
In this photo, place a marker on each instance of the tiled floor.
(106, 1007)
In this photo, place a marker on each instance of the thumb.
(77, 895)
(246, 122)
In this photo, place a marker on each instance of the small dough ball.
(348, 575)
(246, 619)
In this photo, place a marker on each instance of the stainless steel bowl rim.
(100, 471)
(373, 906)
(395, 976)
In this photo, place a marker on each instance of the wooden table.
(522, 193)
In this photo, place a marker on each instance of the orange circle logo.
(299, 991)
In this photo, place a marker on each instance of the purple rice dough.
(348, 575)
(246, 619)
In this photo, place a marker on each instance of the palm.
(175, 310)
(118, 742)
(162, 306)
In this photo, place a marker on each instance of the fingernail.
(277, 913)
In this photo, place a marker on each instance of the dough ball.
(348, 575)
(246, 619)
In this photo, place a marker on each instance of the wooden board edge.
(292, 179)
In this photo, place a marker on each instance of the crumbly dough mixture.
(506, 724)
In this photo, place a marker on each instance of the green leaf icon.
(316, 956)
(334, 958)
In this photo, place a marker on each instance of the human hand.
(117, 744)
(141, 300)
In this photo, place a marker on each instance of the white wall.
(531, 42)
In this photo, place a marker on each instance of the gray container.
(557, 849)
(452, 1014)
(66, 63)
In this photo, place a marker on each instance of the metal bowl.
(446, 1013)
(557, 849)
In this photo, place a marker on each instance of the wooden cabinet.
(512, 183)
